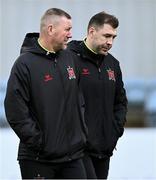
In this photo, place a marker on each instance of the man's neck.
(44, 45)
(88, 45)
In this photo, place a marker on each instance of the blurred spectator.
(136, 89)
(3, 122)
(150, 103)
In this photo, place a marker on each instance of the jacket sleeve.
(18, 109)
(120, 106)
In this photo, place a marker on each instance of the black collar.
(87, 53)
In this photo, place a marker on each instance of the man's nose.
(110, 41)
(70, 34)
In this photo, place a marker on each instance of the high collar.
(90, 55)
(30, 44)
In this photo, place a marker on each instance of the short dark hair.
(102, 18)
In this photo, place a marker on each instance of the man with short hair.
(103, 90)
(43, 105)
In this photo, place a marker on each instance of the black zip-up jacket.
(42, 104)
(105, 99)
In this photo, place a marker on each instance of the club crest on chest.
(71, 73)
(111, 75)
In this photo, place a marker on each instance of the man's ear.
(50, 29)
(91, 31)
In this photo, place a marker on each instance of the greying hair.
(53, 13)
(102, 18)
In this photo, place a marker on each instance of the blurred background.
(134, 47)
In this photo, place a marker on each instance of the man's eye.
(107, 35)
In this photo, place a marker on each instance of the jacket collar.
(90, 55)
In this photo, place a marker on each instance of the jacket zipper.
(65, 98)
(55, 62)
(99, 73)
(99, 69)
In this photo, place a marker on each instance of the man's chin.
(105, 53)
(64, 46)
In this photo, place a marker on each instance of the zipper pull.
(55, 62)
(99, 70)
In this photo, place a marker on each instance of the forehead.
(63, 21)
(107, 29)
